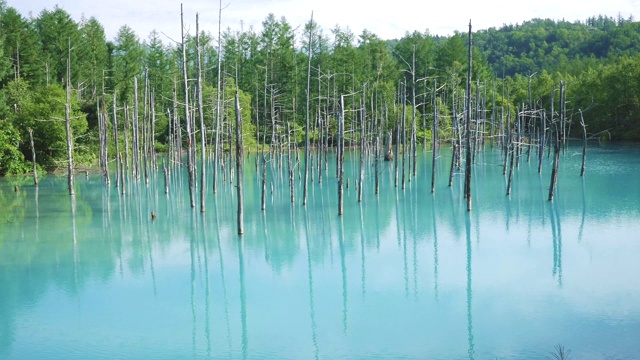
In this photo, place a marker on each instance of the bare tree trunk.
(67, 118)
(115, 139)
(33, 158)
(341, 157)
(152, 150)
(377, 164)
(542, 140)
(413, 113)
(434, 135)
(467, 175)
(554, 169)
(166, 177)
(216, 145)
(362, 154)
(306, 130)
(203, 172)
(239, 163)
(186, 115)
(145, 127)
(404, 132)
(454, 155)
(177, 127)
(290, 161)
(263, 200)
(105, 140)
(511, 152)
(122, 178)
(135, 140)
(584, 143)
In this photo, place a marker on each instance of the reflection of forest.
(43, 245)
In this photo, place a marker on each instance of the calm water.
(406, 274)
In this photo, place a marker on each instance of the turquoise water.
(405, 274)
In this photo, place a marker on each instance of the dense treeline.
(515, 65)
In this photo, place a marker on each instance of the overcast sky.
(387, 19)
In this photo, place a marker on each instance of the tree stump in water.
(389, 155)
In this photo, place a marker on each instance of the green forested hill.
(513, 66)
(543, 44)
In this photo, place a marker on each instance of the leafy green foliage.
(515, 66)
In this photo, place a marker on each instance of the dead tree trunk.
(584, 143)
(306, 130)
(361, 179)
(511, 154)
(122, 179)
(554, 169)
(239, 163)
(454, 155)
(67, 121)
(413, 114)
(543, 132)
(216, 148)
(434, 136)
(341, 157)
(467, 175)
(135, 141)
(404, 132)
(290, 163)
(377, 165)
(203, 172)
(105, 140)
(33, 158)
(115, 139)
(190, 159)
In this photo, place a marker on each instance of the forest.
(135, 96)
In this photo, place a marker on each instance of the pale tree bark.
(190, 159)
(218, 113)
(33, 158)
(341, 157)
(115, 139)
(67, 118)
(467, 174)
(306, 130)
(434, 136)
(203, 172)
(239, 163)
(584, 142)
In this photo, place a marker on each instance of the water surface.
(404, 274)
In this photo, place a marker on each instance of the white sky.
(388, 19)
